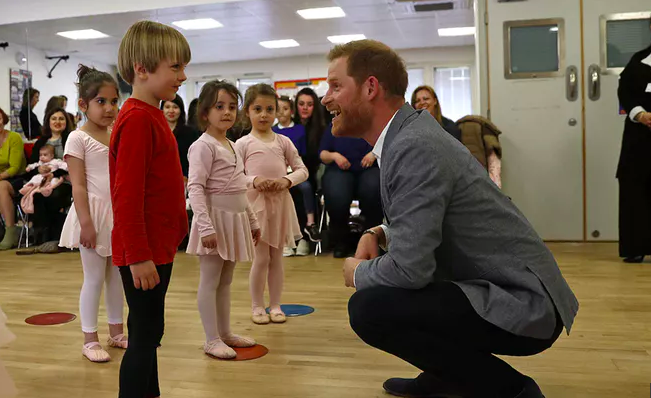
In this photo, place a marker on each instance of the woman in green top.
(12, 165)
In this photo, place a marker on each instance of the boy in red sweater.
(147, 194)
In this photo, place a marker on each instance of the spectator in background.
(351, 172)
(192, 114)
(185, 135)
(49, 212)
(296, 133)
(12, 164)
(55, 102)
(424, 97)
(309, 113)
(28, 120)
(72, 118)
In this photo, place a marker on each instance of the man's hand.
(368, 160)
(144, 275)
(350, 264)
(368, 247)
(644, 118)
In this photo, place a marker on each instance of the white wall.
(62, 81)
(314, 66)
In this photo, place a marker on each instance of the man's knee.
(364, 311)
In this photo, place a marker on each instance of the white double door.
(553, 72)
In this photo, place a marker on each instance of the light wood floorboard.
(317, 356)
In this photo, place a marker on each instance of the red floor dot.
(246, 354)
(52, 318)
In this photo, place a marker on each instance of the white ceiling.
(246, 23)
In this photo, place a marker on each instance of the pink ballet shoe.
(260, 317)
(218, 349)
(277, 317)
(95, 355)
(118, 341)
(234, 340)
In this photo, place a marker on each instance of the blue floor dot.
(295, 309)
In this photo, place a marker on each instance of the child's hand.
(44, 169)
(256, 236)
(210, 241)
(281, 184)
(144, 275)
(262, 184)
(88, 236)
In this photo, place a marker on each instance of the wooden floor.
(607, 355)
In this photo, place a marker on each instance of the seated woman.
(49, 211)
(12, 164)
(424, 97)
(351, 172)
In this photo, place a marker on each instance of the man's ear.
(371, 88)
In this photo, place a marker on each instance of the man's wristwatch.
(370, 231)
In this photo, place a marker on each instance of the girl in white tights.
(90, 221)
(224, 228)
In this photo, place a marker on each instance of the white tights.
(98, 271)
(267, 267)
(214, 296)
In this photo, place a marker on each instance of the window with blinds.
(534, 48)
(624, 38)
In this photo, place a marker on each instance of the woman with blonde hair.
(424, 97)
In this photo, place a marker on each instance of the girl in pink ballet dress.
(89, 223)
(266, 157)
(224, 228)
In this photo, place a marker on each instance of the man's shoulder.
(420, 131)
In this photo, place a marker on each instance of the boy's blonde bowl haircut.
(149, 43)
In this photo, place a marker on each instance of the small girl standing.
(266, 156)
(224, 228)
(90, 221)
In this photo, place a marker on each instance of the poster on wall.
(19, 81)
(291, 87)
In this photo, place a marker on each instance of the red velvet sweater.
(147, 193)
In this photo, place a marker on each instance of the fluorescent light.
(554, 29)
(84, 34)
(279, 43)
(469, 31)
(343, 39)
(197, 24)
(322, 13)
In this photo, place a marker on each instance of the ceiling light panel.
(285, 43)
(322, 13)
(198, 24)
(84, 34)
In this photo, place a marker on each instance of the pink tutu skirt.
(101, 213)
(232, 226)
(277, 218)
